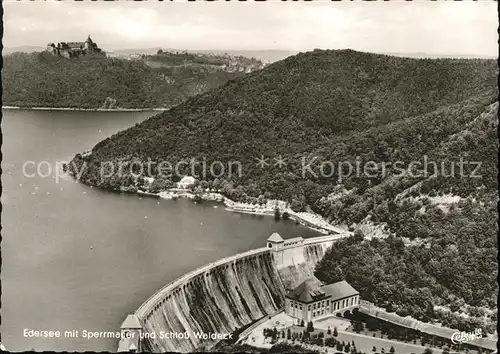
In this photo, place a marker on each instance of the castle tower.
(89, 44)
(51, 48)
(275, 242)
(131, 331)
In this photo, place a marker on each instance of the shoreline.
(85, 109)
(312, 221)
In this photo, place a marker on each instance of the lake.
(80, 258)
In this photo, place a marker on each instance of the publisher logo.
(464, 337)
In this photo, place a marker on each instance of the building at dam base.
(312, 300)
(229, 294)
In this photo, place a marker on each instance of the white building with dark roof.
(186, 182)
(312, 300)
(276, 243)
(131, 331)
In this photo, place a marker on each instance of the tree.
(225, 187)
(310, 326)
(335, 333)
(358, 235)
(330, 342)
(204, 185)
(374, 349)
(329, 331)
(306, 335)
(216, 184)
(428, 351)
(298, 203)
(302, 324)
(275, 334)
(288, 333)
(372, 324)
(286, 215)
(277, 214)
(358, 326)
(392, 350)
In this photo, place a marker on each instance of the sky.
(397, 26)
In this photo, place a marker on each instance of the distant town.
(168, 58)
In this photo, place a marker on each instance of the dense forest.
(438, 220)
(43, 80)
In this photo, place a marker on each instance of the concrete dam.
(225, 295)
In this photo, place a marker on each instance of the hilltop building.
(312, 300)
(74, 49)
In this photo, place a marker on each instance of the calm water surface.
(75, 257)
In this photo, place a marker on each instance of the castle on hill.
(74, 49)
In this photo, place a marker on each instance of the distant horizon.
(291, 51)
(433, 28)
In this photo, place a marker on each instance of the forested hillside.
(311, 105)
(435, 225)
(43, 80)
(448, 269)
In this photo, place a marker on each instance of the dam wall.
(218, 298)
(227, 294)
(296, 263)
